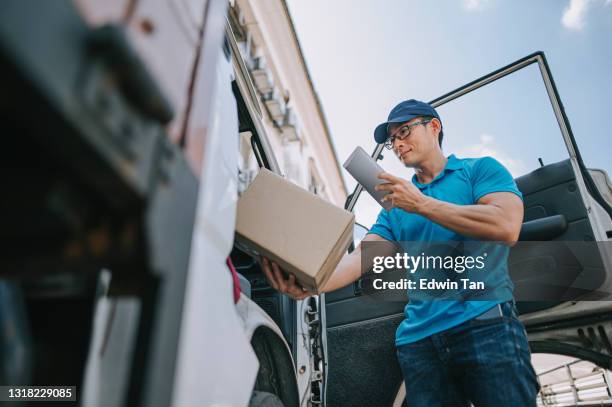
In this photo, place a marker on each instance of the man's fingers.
(391, 178)
(277, 280)
(300, 293)
(280, 278)
(388, 197)
(294, 287)
(384, 187)
(265, 267)
(295, 290)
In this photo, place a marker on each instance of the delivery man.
(451, 352)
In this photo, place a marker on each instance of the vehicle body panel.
(214, 345)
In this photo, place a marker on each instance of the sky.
(365, 56)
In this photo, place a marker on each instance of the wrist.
(426, 205)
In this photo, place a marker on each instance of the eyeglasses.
(403, 132)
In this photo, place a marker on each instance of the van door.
(565, 245)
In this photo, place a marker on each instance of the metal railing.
(578, 389)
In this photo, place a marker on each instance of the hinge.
(316, 351)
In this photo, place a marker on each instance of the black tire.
(265, 399)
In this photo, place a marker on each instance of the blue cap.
(403, 112)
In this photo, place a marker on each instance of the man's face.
(417, 146)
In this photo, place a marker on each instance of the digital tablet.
(365, 170)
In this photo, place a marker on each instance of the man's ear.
(437, 125)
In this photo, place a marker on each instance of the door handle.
(544, 228)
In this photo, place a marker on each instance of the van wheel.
(265, 399)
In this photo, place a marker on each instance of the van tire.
(265, 399)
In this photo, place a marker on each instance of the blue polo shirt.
(462, 182)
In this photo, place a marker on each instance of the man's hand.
(402, 193)
(277, 280)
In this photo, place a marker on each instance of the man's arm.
(347, 271)
(497, 216)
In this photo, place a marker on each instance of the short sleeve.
(382, 227)
(489, 176)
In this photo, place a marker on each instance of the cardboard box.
(306, 235)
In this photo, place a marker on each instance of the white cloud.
(575, 13)
(476, 4)
(486, 147)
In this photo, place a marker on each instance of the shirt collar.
(452, 164)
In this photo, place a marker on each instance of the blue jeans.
(485, 361)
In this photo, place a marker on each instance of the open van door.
(565, 242)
